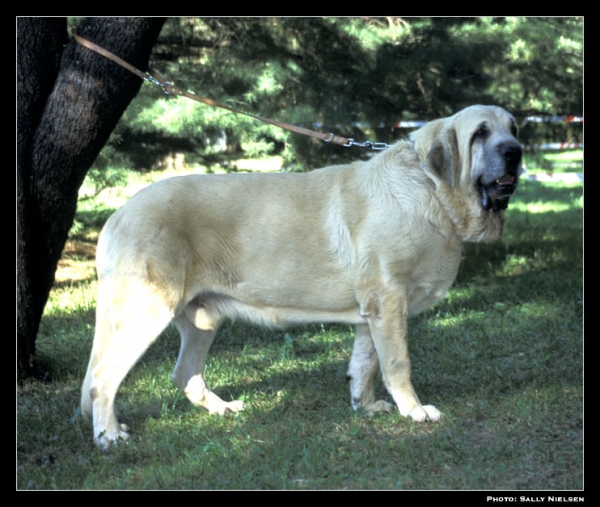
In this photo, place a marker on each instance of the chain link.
(367, 144)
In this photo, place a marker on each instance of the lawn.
(501, 357)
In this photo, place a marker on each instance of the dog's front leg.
(386, 314)
(361, 372)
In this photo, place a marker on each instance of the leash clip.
(165, 86)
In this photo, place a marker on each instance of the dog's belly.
(208, 309)
(279, 308)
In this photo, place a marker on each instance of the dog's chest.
(432, 279)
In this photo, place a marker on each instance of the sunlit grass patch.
(558, 161)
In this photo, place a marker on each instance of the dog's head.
(476, 150)
(474, 159)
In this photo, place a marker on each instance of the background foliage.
(356, 76)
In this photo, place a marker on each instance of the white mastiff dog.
(368, 244)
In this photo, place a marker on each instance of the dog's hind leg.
(127, 323)
(361, 371)
(188, 374)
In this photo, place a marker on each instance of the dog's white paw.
(425, 413)
(223, 407)
(104, 439)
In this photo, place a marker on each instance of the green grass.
(501, 356)
(554, 161)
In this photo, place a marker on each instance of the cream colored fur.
(366, 244)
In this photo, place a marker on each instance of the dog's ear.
(437, 146)
(443, 156)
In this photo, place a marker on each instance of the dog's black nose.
(511, 152)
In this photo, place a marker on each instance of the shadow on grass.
(553, 238)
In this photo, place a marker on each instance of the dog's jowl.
(367, 244)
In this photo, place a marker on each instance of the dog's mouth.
(494, 195)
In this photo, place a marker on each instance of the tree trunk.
(68, 104)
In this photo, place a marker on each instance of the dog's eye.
(480, 132)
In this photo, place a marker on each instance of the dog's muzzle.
(495, 194)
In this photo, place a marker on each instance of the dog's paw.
(425, 413)
(235, 406)
(379, 406)
(227, 406)
(106, 439)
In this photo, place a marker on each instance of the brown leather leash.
(171, 89)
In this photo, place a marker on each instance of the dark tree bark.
(69, 101)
